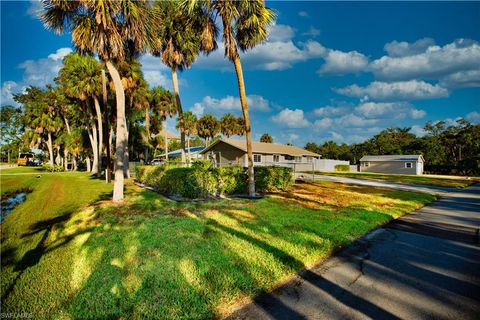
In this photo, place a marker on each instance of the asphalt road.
(425, 265)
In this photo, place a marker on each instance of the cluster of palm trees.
(177, 31)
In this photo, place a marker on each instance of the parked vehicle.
(25, 159)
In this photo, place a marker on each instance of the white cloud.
(395, 91)
(38, 72)
(42, 71)
(280, 33)
(155, 72)
(473, 117)
(34, 9)
(330, 111)
(60, 54)
(402, 49)
(390, 110)
(434, 63)
(418, 131)
(230, 104)
(197, 109)
(303, 14)
(291, 118)
(279, 52)
(352, 120)
(323, 124)
(312, 32)
(8, 89)
(462, 79)
(339, 62)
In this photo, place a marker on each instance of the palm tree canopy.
(189, 123)
(245, 22)
(162, 102)
(182, 35)
(80, 76)
(208, 126)
(103, 27)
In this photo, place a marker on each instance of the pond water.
(11, 202)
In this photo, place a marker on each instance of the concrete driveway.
(425, 265)
(379, 184)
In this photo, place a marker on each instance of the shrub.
(53, 168)
(231, 180)
(202, 180)
(342, 167)
(268, 179)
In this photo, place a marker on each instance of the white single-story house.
(225, 152)
(401, 164)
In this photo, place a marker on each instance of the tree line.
(105, 97)
(447, 149)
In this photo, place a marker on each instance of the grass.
(154, 258)
(455, 182)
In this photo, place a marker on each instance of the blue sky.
(338, 71)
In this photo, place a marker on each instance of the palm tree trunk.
(126, 168)
(180, 113)
(100, 133)
(92, 135)
(248, 133)
(108, 168)
(166, 140)
(58, 158)
(121, 133)
(188, 146)
(147, 128)
(89, 164)
(50, 148)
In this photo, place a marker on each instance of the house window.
(276, 158)
(288, 157)
(366, 164)
(257, 158)
(408, 165)
(309, 159)
(298, 159)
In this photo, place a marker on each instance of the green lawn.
(402, 178)
(154, 258)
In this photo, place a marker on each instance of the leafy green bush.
(342, 167)
(231, 180)
(268, 179)
(202, 180)
(53, 168)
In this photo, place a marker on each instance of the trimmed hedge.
(202, 180)
(342, 167)
(53, 168)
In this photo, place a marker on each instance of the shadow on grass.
(153, 258)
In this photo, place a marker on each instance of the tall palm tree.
(228, 125)
(182, 36)
(245, 24)
(190, 128)
(208, 127)
(163, 105)
(106, 28)
(81, 78)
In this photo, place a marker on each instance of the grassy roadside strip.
(412, 179)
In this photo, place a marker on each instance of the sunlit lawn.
(455, 182)
(154, 258)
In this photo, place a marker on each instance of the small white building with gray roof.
(399, 164)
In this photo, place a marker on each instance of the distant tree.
(266, 138)
(208, 127)
(190, 128)
(11, 129)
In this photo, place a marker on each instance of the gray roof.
(402, 157)
(265, 148)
